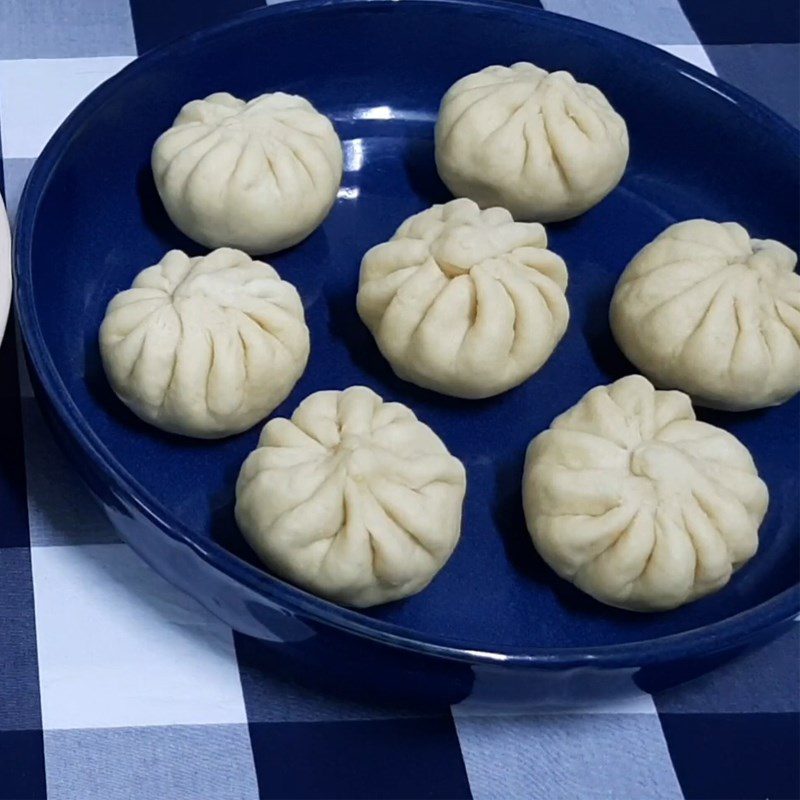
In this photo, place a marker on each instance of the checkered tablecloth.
(115, 685)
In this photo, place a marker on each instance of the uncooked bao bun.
(706, 309)
(637, 503)
(538, 143)
(205, 346)
(463, 301)
(353, 498)
(258, 175)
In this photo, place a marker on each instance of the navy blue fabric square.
(19, 667)
(290, 692)
(13, 496)
(744, 21)
(156, 23)
(9, 380)
(22, 765)
(418, 758)
(735, 756)
(766, 679)
(769, 72)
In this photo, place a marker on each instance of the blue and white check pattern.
(115, 685)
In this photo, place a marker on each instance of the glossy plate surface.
(90, 220)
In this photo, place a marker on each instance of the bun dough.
(538, 143)
(463, 301)
(637, 503)
(205, 346)
(708, 310)
(258, 175)
(353, 499)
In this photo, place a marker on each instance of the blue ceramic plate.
(90, 220)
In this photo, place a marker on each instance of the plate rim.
(724, 634)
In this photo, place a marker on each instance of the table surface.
(114, 685)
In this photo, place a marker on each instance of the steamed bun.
(353, 499)
(463, 301)
(538, 143)
(708, 310)
(258, 175)
(637, 503)
(205, 346)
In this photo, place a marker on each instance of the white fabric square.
(693, 53)
(61, 511)
(118, 646)
(36, 95)
(590, 756)
(579, 698)
(15, 173)
(60, 28)
(179, 762)
(655, 21)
